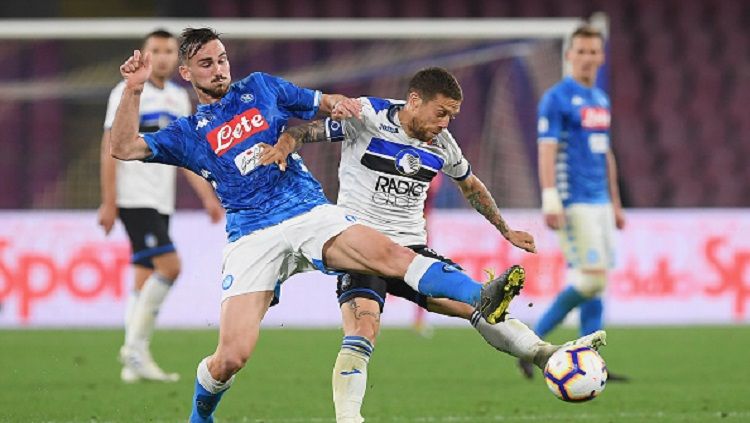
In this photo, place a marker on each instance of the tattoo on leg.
(360, 314)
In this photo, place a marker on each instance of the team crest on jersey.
(247, 98)
(595, 117)
(226, 283)
(408, 162)
(240, 128)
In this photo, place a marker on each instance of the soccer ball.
(576, 374)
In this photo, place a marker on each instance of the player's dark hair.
(157, 33)
(586, 31)
(430, 82)
(192, 39)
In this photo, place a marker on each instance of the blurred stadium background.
(678, 74)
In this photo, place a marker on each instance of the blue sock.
(204, 404)
(565, 301)
(591, 315)
(442, 280)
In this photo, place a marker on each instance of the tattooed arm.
(291, 141)
(296, 136)
(481, 200)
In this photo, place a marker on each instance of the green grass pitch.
(678, 375)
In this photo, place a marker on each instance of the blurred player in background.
(389, 156)
(578, 178)
(278, 220)
(143, 196)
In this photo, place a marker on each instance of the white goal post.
(503, 63)
(480, 28)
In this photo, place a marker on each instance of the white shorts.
(264, 259)
(587, 238)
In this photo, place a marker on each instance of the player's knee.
(231, 362)
(169, 268)
(395, 260)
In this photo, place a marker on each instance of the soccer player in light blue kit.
(578, 177)
(278, 220)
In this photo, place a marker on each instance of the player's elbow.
(119, 149)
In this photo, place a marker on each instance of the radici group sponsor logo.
(242, 127)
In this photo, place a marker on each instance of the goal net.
(58, 74)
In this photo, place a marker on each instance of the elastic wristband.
(551, 202)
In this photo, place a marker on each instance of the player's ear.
(414, 99)
(184, 72)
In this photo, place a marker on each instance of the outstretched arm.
(126, 144)
(480, 198)
(291, 141)
(339, 106)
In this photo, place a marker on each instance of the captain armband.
(334, 130)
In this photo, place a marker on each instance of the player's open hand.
(106, 216)
(522, 240)
(136, 70)
(347, 108)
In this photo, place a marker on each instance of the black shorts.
(357, 285)
(149, 234)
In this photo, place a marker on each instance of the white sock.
(208, 382)
(417, 268)
(130, 303)
(350, 379)
(142, 323)
(511, 337)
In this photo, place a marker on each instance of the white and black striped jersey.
(149, 185)
(384, 174)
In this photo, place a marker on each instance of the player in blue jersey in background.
(578, 178)
(278, 220)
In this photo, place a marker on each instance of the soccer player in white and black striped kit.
(143, 196)
(389, 155)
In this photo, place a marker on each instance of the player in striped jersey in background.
(143, 196)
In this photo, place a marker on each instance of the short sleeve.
(114, 101)
(549, 121)
(302, 103)
(456, 166)
(168, 145)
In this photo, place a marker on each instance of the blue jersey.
(220, 142)
(577, 118)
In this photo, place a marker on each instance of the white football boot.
(139, 365)
(594, 341)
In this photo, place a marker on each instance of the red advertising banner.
(672, 267)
